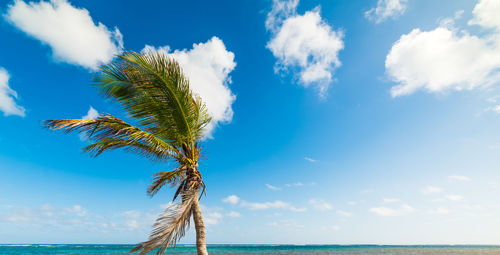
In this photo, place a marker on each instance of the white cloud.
(495, 109)
(75, 218)
(386, 211)
(18, 214)
(77, 210)
(335, 227)
(207, 65)
(320, 205)
(305, 42)
(269, 186)
(486, 14)
(91, 114)
(386, 9)
(130, 220)
(233, 214)
(448, 58)
(391, 200)
(280, 11)
(344, 213)
(454, 197)
(431, 190)
(311, 159)
(70, 32)
(271, 205)
(233, 199)
(132, 214)
(493, 99)
(8, 104)
(212, 218)
(458, 178)
(295, 184)
(49, 211)
(132, 224)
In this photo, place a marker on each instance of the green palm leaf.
(110, 133)
(153, 90)
(171, 119)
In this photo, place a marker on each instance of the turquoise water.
(258, 249)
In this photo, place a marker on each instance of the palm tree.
(170, 119)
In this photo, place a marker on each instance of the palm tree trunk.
(201, 243)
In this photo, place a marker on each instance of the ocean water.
(257, 249)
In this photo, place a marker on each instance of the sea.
(115, 249)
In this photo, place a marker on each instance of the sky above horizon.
(335, 122)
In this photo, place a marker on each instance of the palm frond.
(153, 90)
(162, 178)
(110, 133)
(171, 226)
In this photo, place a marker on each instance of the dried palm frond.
(170, 226)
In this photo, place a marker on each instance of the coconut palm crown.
(170, 119)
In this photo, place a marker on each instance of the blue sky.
(336, 121)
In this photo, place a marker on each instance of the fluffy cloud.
(386, 211)
(320, 205)
(91, 114)
(448, 58)
(305, 42)
(207, 65)
(233, 199)
(486, 14)
(386, 9)
(8, 104)
(430, 190)
(212, 218)
(69, 31)
(272, 205)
